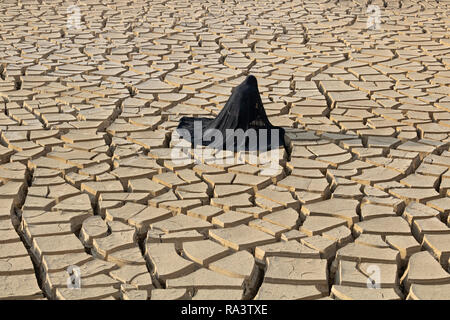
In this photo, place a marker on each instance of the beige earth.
(95, 205)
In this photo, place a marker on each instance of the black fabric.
(243, 110)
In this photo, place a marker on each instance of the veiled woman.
(242, 114)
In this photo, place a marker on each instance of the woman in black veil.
(244, 110)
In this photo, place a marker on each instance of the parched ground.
(356, 208)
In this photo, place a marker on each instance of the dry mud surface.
(356, 208)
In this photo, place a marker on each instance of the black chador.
(244, 110)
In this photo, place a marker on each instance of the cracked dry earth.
(88, 183)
